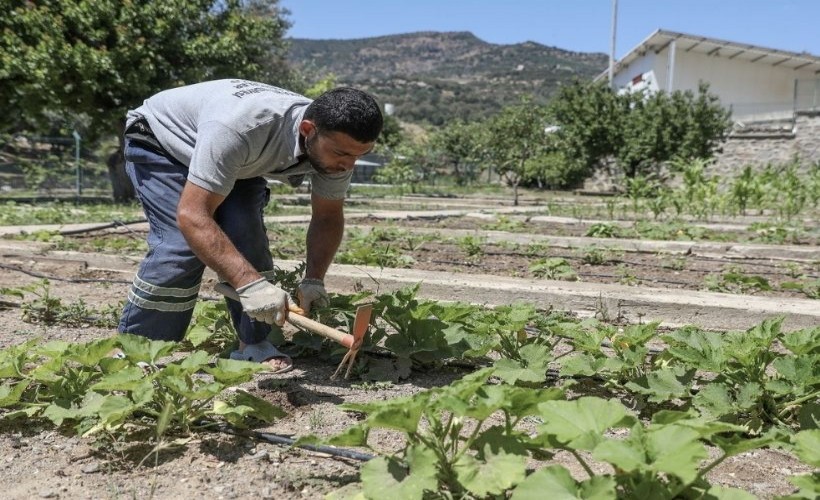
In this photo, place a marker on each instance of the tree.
(460, 144)
(95, 59)
(516, 135)
(662, 126)
(590, 119)
(639, 130)
(392, 135)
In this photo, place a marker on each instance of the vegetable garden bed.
(454, 398)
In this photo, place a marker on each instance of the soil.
(54, 463)
(658, 270)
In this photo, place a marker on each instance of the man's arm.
(324, 235)
(195, 216)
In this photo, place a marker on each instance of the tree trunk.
(121, 188)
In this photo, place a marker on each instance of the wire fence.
(50, 165)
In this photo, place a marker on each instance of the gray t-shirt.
(226, 130)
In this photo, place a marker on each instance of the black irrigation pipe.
(116, 223)
(591, 275)
(58, 278)
(286, 441)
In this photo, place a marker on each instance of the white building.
(756, 83)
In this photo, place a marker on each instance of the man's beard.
(310, 151)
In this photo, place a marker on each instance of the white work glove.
(312, 291)
(264, 301)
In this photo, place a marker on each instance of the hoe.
(352, 342)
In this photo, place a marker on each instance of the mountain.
(433, 77)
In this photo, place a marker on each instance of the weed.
(316, 421)
(776, 232)
(597, 256)
(376, 248)
(553, 268)
(674, 262)
(472, 245)
(504, 223)
(735, 280)
(373, 386)
(46, 309)
(627, 277)
(809, 288)
(603, 230)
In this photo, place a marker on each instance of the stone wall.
(762, 147)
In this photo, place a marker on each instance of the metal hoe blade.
(360, 324)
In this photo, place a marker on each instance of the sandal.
(261, 352)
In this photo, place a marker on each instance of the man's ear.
(306, 127)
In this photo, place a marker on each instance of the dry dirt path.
(671, 307)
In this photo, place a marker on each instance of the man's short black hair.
(347, 110)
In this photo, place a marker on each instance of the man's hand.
(264, 301)
(312, 291)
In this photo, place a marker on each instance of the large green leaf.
(801, 372)
(126, 379)
(581, 424)
(807, 446)
(171, 379)
(582, 364)
(697, 349)
(555, 483)
(401, 414)
(198, 335)
(13, 359)
(805, 341)
(492, 475)
(10, 393)
(532, 367)
(260, 408)
(663, 384)
(705, 426)
(714, 399)
(670, 449)
(466, 396)
(497, 440)
(232, 372)
(387, 477)
(521, 401)
(585, 336)
(114, 410)
(737, 443)
(89, 354)
(139, 348)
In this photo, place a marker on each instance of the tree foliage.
(100, 57)
(516, 135)
(461, 145)
(639, 130)
(68, 64)
(589, 118)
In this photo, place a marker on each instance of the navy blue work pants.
(162, 297)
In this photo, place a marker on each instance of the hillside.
(436, 76)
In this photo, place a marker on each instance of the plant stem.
(582, 462)
(701, 474)
(785, 407)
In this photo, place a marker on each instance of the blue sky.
(579, 25)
